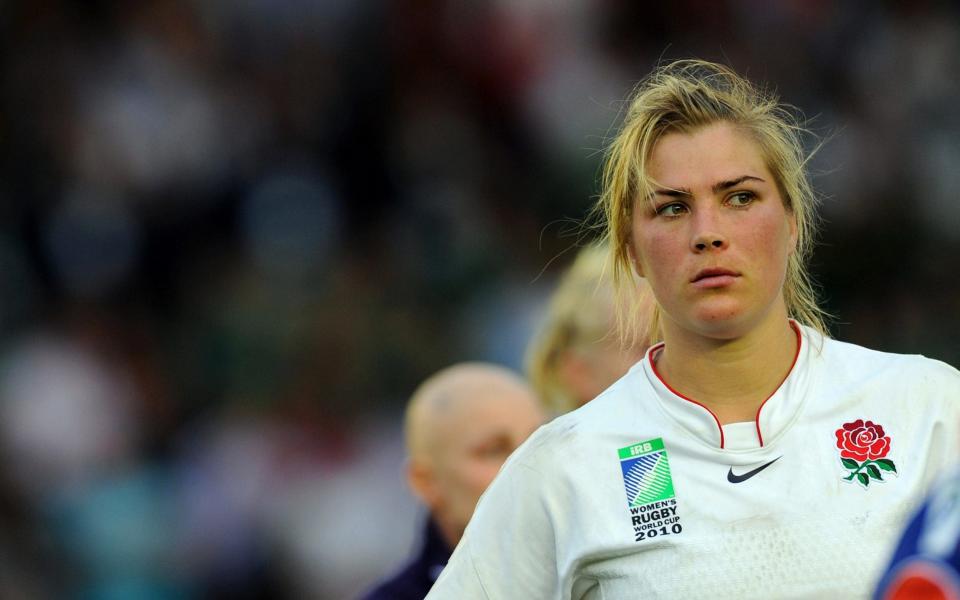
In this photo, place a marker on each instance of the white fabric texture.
(558, 523)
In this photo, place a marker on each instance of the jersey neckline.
(773, 416)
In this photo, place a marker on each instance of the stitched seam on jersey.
(476, 571)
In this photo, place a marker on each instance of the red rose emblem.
(862, 441)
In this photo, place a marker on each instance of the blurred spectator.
(461, 424)
(577, 353)
(75, 435)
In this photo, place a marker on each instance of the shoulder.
(852, 360)
(622, 403)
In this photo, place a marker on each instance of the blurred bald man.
(461, 424)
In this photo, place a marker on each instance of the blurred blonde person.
(577, 353)
(461, 424)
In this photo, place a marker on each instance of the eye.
(497, 449)
(741, 199)
(674, 209)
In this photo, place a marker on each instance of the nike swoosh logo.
(741, 478)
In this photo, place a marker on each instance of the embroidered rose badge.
(863, 447)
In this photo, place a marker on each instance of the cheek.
(481, 474)
(771, 240)
(659, 255)
(471, 477)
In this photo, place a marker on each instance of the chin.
(724, 323)
(728, 319)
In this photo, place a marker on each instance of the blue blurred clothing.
(926, 563)
(418, 576)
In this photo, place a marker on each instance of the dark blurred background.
(235, 235)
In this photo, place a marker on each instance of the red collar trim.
(653, 365)
(796, 355)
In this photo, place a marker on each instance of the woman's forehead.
(705, 157)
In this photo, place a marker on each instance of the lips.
(707, 274)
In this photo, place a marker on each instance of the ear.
(632, 254)
(794, 233)
(423, 482)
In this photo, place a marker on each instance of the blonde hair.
(580, 316)
(684, 96)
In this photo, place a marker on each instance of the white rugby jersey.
(642, 494)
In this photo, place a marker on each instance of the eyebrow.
(717, 187)
(501, 436)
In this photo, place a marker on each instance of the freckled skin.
(744, 228)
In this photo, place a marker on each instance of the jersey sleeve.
(943, 380)
(508, 550)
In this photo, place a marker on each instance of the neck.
(450, 532)
(731, 377)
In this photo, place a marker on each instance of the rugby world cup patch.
(648, 483)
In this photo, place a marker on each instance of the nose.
(709, 240)
(706, 234)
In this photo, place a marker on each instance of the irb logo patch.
(646, 472)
